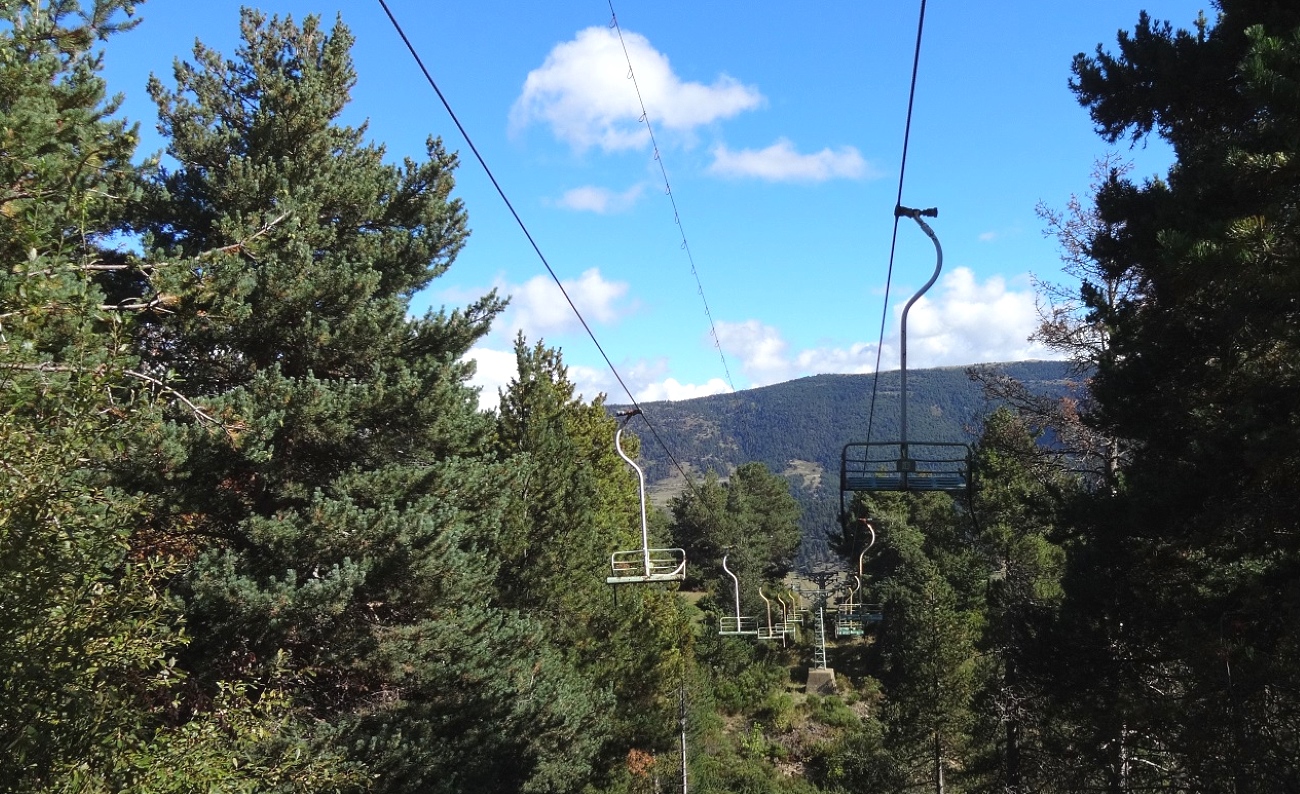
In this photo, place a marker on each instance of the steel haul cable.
(893, 243)
(677, 217)
(501, 192)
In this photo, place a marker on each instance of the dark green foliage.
(751, 519)
(927, 656)
(1018, 507)
(256, 535)
(859, 763)
(1187, 578)
(87, 632)
(346, 530)
(84, 631)
(573, 501)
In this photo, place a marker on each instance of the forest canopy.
(256, 534)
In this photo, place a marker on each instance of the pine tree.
(1018, 503)
(78, 619)
(346, 534)
(751, 518)
(927, 656)
(1189, 575)
(87, 631)
(574, 501)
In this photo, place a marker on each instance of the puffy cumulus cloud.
(763, 353)
(599, 200)
(538, 308)
(963, 321)
(857, 359)
(781, 162)
(648, 380)
(968, 322)
(670, 389)
(765, 356)
(581, 92)
(494, 369)
(591, 382)
(493, 372)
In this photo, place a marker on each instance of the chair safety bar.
(914, 466)
(647, 565)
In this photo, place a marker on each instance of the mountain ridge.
(798, 428)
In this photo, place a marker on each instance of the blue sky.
(780, 128)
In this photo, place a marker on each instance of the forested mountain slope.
(799, 427)
(256, 534)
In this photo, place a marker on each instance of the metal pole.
(640, 476)
(683, 726)
(901, 211)
(737, 589)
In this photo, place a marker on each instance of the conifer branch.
(148, 267)
(159, 302)
(203, 416)
(198, 412)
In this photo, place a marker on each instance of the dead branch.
(198, 412)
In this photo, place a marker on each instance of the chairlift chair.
(643, 565)
(736, 625)
(789, 616)
(868, 613)
(771, 631)
(853, 615)
(848, 615)
(906, 464)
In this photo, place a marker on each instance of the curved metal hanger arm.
(900, 212)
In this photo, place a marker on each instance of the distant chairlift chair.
(852, 616)
(736, 625)
(848, 615)
(906, 465)
(639, 566)
(772, 631)
(790, 616)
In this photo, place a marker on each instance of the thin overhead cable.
(893, 243)
(677, 216)
(500, 192)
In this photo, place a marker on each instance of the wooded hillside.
(799, 428)
(257, 536)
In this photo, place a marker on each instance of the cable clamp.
(907, 212)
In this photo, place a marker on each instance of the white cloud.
(858, 358)
(763, 354)
(998, 235)
(538, 307)
(494, 369)
(968, 323)
(647, 379)
(582, 92)
(780, 162)
(599, 200)
(670, 389)
(963, 321)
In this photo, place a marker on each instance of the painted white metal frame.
(643, 565)
(737, 624)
